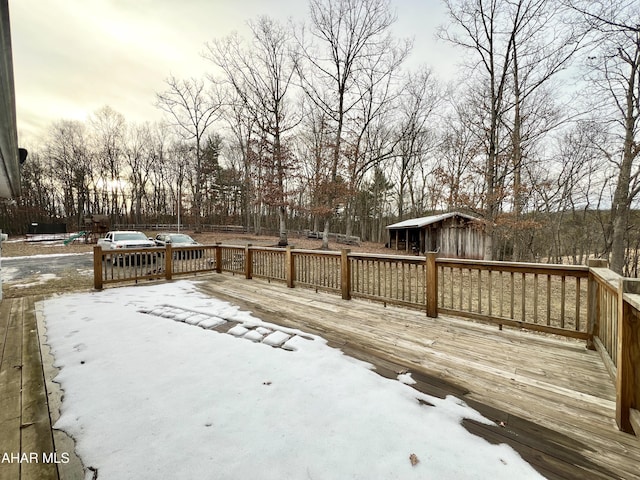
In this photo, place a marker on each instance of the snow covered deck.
(553, 400)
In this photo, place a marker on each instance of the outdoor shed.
(453, 234)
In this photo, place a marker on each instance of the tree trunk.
(325, 234)
(282, 241)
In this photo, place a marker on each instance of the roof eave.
(9, 154)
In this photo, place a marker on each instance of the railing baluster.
(548, 300)
(523, 291)
(577, 320)
(563, 297)
(452, 297)
(490, 275)
(512, 297)
(460, 286)
(501, 293)
(535, 298)
(479, 291)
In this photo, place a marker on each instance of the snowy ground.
(151, 392)
(33, 270)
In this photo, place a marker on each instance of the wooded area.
(329, 127)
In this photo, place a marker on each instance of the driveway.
(21, 268)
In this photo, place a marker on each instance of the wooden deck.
(551, 398)
(29, 447)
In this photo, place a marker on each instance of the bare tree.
(369, 135)
(191, 111)
(108, 129)
(615, 74)
(158, 148)
(345, 36)
(484, 34)
(240, 123)
(261, 76)
(517, 48)
(68, 150)
(140, 155)
(458, 154)
(421, 95)
(313, 147)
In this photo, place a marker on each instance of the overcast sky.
(72, 57)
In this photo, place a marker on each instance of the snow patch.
(406, 379)
(41, 279)
(146, 397)
(276, 339)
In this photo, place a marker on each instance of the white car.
(123, 240)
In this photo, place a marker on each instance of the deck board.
(25, 423)
(10, 384)
(36, 432)
(554, 397)
(552, 400)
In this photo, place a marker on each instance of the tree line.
(326, 126)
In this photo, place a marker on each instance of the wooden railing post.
(627, 396)
(218, 257)
(248, 262)
(168, 261)
(432, 285)
(97, 267)
(345, 270)
(593, 305)
(289, 267)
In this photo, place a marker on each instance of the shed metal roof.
(424, 221)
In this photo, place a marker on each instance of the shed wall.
(453, 237)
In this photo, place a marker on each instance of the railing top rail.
(267, 249)
(633, 299)
(376, 256)
(330, 253)
(574, 270)
(607, 277)
(119, 251)
(235, 247)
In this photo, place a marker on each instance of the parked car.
(179, 240)
(122, 240)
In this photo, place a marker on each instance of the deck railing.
(317, 269)
(590, 303)
(392, 279)
(604, 299)
(615, 307)
(548, 298)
